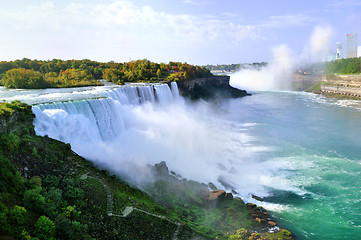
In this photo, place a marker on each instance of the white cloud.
(120, 30)
(121, 21)
(288, 21)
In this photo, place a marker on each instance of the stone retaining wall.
(344, 84)
(350, 91)
(346, 80)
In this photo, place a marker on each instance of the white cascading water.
(138, 125)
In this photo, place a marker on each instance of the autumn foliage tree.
(23, 78)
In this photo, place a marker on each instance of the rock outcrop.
(260, 215)
(208, 88)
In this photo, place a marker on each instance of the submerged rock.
(257, 198)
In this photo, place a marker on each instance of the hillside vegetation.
(49, 192)
(344, 66)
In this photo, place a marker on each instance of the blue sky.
(194, 31)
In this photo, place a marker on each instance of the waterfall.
(129, 127)
(85, 120)
(144, 93)
(97, 119)
(163, 94)
(112, 129)
(175, 90)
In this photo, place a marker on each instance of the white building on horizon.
(359, 51)
(338, 50)
(351, 45)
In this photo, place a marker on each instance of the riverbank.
(331, 85)
(342, 86)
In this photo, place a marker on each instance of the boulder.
(216, 195)
(272, 224)
(229, 196)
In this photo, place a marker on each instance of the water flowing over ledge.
(97, 118)
(132, 126)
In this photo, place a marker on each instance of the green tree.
(113, 75)
(44, 228)
(35, 181)
(33, 200)
(78, 230)
(17, 215)
(53, 202)
(159, 73)
(63, 227)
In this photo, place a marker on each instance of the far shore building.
(351, 45)
(338, 50)
(359, 51)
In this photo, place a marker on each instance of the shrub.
(10, 179)
(12, 141)
(17, 215)
(35, 181)
(4, 224)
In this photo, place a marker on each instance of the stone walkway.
(129, 209)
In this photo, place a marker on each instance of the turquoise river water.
(316, 143)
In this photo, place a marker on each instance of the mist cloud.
(277, 74)
(318, 47)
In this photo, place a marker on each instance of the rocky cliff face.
(207, 88)
(210, 82)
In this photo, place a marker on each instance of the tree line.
(236, 66)
(27, 73)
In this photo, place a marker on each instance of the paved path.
(129, 209)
